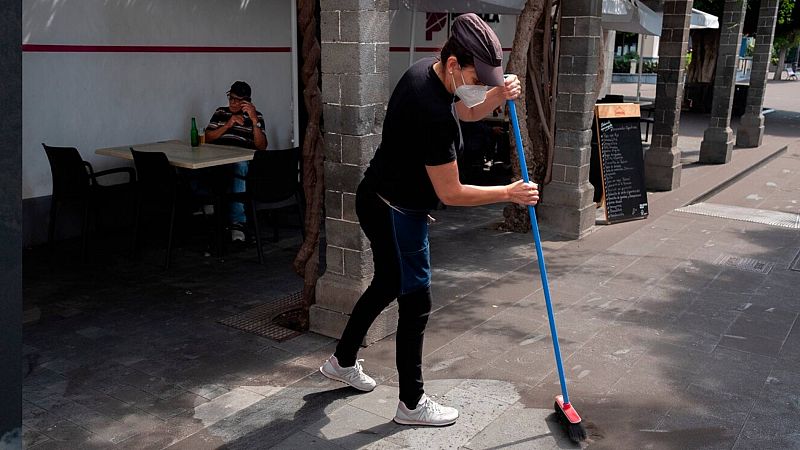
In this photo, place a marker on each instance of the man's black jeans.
(377, 221)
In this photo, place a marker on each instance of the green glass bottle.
(195, 139)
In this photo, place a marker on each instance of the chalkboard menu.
(619, 159)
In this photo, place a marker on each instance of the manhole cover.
(261, 319)
(746, 264)
(766, 217)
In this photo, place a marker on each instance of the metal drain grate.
(260, 320)
(746, 264)
(795, 265)
(774, 218)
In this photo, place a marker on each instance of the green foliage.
(751, 45)
(622, 64)
(650, 65)
(785, 11)
(714, 7)
(787, 28)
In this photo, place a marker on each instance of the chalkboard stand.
(617, 163)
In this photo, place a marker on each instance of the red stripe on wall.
(416, 49)
(426, 49)
(59, 48)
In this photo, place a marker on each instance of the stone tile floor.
(125, 353)
(663, 347)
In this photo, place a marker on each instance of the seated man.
(238, 124)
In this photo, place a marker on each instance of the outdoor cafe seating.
(76, 182)
(159, 185)
(272, 183)
(159, 190)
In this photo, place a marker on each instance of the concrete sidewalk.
(678, 331)
(666, 343)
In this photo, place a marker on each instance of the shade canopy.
(513, 7)
(631, 16)
(702, 19)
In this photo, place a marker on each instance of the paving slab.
(522, 428)
(664, 347)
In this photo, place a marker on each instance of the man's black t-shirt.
(419, 130)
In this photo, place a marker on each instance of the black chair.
(612, 98)
(273, 183)
(158, 183)
(75, 181)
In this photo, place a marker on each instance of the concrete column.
(355, 80)
(751, 127)
(717, 144)
(662, 161)
(567, 204)
(11, 226)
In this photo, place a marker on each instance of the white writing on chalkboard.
(622, 166)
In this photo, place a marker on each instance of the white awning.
(622, 15)
(631, 16)
(702, 19)
(513, 7)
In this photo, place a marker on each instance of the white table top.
(181, 154)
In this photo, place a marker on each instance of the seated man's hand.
(236, 119)
(250, 110)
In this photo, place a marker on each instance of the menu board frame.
(632, 153)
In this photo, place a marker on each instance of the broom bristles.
(575, 431)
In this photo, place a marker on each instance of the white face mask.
(472, 95)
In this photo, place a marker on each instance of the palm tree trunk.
(306, 263)
(516, 218)
(781, 63)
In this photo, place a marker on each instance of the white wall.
(91, 100)
(650, 46)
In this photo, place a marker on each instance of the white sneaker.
(237, 232)
(353, 376)
(237, 235)
(428, 412)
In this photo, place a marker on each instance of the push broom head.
(570, 420)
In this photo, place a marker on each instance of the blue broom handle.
(540, 257)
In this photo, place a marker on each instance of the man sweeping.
(414, 169)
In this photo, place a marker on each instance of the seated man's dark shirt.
(237, 135)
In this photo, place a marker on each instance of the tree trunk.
(781, 62)
(699, 90)
(516, 218)
(306, 263)
(602, 67)
(536, 153)
(705, 46)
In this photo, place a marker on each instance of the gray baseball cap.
(479, 39)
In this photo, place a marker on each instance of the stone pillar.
(567, 204)
(751, 127)
(355, 80)
(662, 161)
(11, 226)
(717, 144)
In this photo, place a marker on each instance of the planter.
(647, 78)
